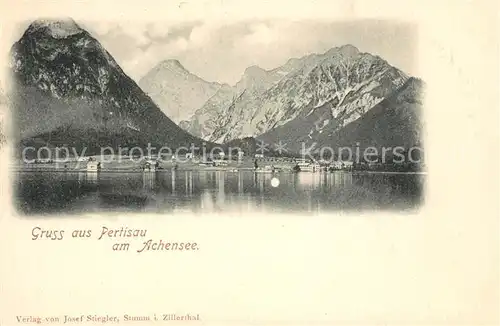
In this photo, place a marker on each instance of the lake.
(48, 193)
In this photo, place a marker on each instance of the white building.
(309, 167)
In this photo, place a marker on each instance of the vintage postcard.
(238, 162)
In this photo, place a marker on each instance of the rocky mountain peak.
(254, 78)
(172, 64)
(68, 87)
(177, 91)
(347, 51)
(254, 70)
(57, 28)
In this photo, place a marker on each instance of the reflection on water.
(215, 191)
(148, 180)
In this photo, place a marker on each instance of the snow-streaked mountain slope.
(394, 121)
(349, 82)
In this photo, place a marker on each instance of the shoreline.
(229, 170)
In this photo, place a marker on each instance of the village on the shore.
(258, 163)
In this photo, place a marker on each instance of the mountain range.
(69, 89)
(309, 101)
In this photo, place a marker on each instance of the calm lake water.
(215, 191)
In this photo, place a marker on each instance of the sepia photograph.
(235, 162)
(261, 115)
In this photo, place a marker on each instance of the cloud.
(100, 27)
(204, 34)
(158, 29)
(260, 34)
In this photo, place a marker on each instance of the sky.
(221, 52)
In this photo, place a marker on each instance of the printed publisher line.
(105, 319)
